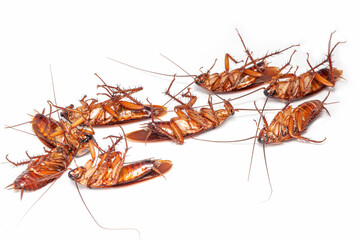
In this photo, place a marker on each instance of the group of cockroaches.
(73, 134)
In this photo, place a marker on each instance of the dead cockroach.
(43, 169)
(290, 86)
(186, 123)
(129, 173)
(291, 122)
(111, 111)
(112, 171)
(65, 143)
(287, 124)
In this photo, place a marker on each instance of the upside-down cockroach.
(186, 123)
(43, 169)
(112, 111)
(65, 143)
(290, 86)
(288, 124)
(291, 122)
(112, 171)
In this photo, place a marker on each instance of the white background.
(206, 194)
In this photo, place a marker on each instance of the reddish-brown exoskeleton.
(186, 123)
(290, 86)
(288, 124)
(291, 122)
(112, 111)
(64, 141)
(43, 169)
(112, 171)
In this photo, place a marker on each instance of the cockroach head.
(87, 138)
(77, 173)
(201, 79)
(229, 108)
(156, 110)
(65, 149)
(84, 144)
(66, 112)
(262, 65)
(270, 91)
(263, 137)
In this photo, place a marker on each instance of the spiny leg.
(248, 52)
(211, 115)
(298, 136)
(329, 56)
(16, 164)
(318, 77)
(287, 64)
(228, 57)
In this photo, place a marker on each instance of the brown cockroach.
(112, 111)
(112, 171)
(111, 175)
(43, 169)
(186, 123)
(288, 124)
(65, 143)
(291, 122)
(290, 86)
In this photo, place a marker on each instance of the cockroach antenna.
(97, 223)
(53, 88)
(144, 70)
(192, 76)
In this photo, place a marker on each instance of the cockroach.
(186, 123)
(291, 122)
(112, 111)
(43, 169)
(112, 175)
(288, 124)
(112, 171)
(291, 87)
(64, 143)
